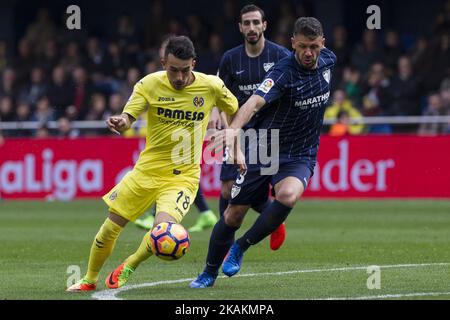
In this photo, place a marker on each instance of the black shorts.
(229, 172)
(252, 188)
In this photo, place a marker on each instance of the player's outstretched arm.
(120, 123)
(229, 137)
(242, 117)
(247, 111)
(215, 121)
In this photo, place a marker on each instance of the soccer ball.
(169, 241)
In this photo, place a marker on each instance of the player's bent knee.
(287, 197)
(121, 221)
(233, 218)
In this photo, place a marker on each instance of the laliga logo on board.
(60, 179)
(198, 101)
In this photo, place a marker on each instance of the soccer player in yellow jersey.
(178, 103)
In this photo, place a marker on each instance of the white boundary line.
(387, 296)
(112, 294)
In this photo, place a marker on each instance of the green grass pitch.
(328, 247)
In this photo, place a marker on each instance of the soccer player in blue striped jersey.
(294, 95)
(242, 69)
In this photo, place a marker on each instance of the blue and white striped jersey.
(243, 74)
(296, 99)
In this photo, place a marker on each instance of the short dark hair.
(250, 8)
(181, 47)
(309, 27)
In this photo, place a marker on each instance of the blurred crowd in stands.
(54, 74)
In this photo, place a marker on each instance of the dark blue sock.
(223, 204)
(222, 237)
(270, 219)
(200, 201)
(260, 208)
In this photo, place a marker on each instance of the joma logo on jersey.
(166, 99)
(198, 101)
(313, 102)
(180, 114)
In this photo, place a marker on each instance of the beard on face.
(307, 63)
(255, 37)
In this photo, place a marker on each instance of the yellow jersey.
(176, 121)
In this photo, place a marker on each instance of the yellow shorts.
(137, 191)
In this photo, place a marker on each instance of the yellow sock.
(101, 248)
(143, 253)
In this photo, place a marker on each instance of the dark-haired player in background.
(242, 69)
(296, 92)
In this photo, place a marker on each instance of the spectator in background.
(115, 62)
(40, 31)
(282, 40)
(445, 93)
(97, 112)
(72, 57)
(419, 54)
(342, 104)
(435, 107)
(227, 25)
(351, 84)
(23, 63)
(155, 21)
(43, 113)
(60, 91)
(152, 66)
(375, 98)
(209, 61)
(43, 131)
(82, 91)
(375, 91)
(440, 59)
(97, 108)
(116, 104)
(6, 109)
(403, 91)
(197, 32)
(445, 96)
(4, 59)
(341, 48)
(49, 59)
(128, 37)
(287, 18)
(95, 60)
(8, 83)
(35, 89)
(126, 89)
(366, 53)
(342, 125)
(65, 129)
(71, 113)
(392, 51)
(23, 114)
